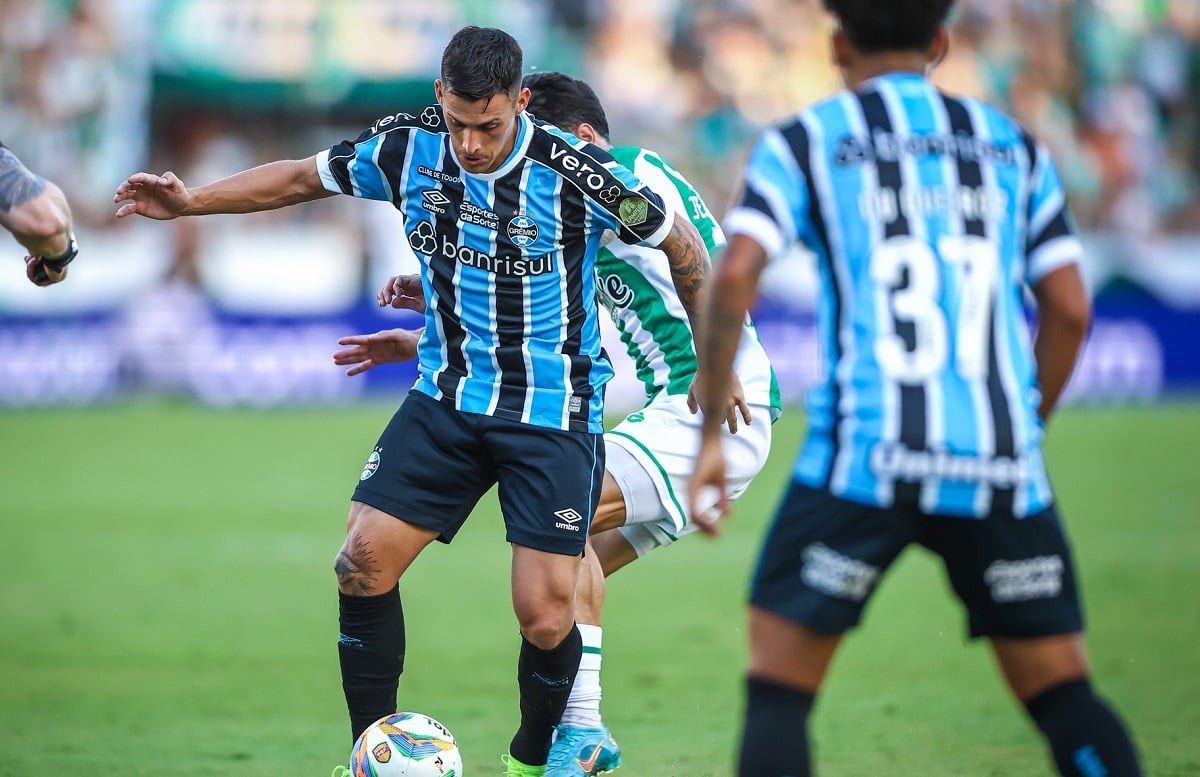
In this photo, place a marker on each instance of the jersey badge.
(522, 230)
(633, 211)
(371, 466)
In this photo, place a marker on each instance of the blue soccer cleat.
(582, 752)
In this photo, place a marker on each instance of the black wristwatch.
(60, 262)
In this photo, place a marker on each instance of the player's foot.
(514, 768)
(340, 771)
(582, 751)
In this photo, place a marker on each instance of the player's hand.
(41, 275)
(403, 291)
(736, 405)
(153, 196)
(707, 486)
(384, 347)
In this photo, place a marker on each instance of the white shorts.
(652, 454)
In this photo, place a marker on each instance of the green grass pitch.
(168, 608)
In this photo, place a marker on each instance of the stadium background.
(200, 440)
(238, 310)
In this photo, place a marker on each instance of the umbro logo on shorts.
(569, 519)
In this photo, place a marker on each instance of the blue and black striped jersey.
(929, 215)
(507, 260)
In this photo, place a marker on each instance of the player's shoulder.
(997, 116)
(644, 161)
(1000, 126)
(550, 144)
(428, 119)
(629, 155)
(825, 116)
(584, 165)
(823, 111)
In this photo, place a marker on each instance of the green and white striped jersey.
(634, 283)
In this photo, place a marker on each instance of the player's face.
(482, 131)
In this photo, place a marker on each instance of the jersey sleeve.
(639, 214)
(614, 196)
(1051, 238)
(358, 167)
(773, 197)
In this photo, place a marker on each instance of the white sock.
(583, 706)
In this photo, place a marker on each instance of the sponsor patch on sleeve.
(633, 211)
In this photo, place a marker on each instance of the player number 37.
(971, 264)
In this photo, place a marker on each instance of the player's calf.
(1085, 735)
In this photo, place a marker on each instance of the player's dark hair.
(564, 101)
(889, 25)
(481, 62)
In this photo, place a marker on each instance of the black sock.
(371, 652)
(1085, 735)
(775, 737)
(544, 679)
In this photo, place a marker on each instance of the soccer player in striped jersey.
(929, 216)
(506, 217)
(649, 454)
(36, 213)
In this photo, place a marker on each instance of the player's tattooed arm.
(356, 566)
(17, 184)
(689, 262)
(33, 209)
(733, 292)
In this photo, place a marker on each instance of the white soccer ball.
(406, 744)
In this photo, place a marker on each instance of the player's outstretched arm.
(37, 214)
(266, 187)
(690, 267)
(384, 347)
(1064, 315)
(34, 210)
(708, 477)
(732, 291)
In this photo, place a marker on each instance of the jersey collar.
(895, 76)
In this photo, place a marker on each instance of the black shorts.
(823, 557)
(433, 462)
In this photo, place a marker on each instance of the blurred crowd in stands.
(1111, 86)
(92, 90)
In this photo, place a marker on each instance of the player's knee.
(544, 638)
(349, 576)
(547, 627)
(357, 574)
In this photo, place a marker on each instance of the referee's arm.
(266, 187)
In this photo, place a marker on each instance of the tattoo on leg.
(356, 566)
